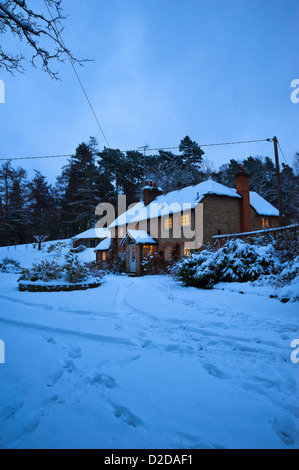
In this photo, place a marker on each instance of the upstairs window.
(168, 223)
(122, 232)
(186, 220)
(265, 223)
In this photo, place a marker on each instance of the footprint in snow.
(123, 413)
(10, 411)
(69, 366)
(75, 353)
(215, 372)
(104, 381)
(55, 378)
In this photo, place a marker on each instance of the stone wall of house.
(221, 215)
(257, 221)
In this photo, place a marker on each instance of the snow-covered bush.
(285, 282)
(116, 262)
(45, 271)
(9, 265)
(79, 249)
(94, 270)
(70, 270)
(237, 261)
(155, 264)
(56, 248)
(74, 270)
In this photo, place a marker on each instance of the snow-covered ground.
(28, 254)
(147, 363)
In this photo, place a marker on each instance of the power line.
(147, 150)
(78, 78)
(282, 152)
(33, 158)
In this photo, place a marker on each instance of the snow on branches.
(40, 30)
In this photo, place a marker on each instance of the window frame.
(186, 220)
(265, 223)
(169, 250)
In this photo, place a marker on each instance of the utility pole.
(281, 222)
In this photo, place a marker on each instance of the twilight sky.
(215, 70)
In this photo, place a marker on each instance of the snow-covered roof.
(140, 237)
(262, 206)
(175, 201)
(93, 233)
(128, 216)
(188, 198)
(104, 245)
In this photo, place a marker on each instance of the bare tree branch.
(41, 31)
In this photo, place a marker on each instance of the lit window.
(186, 220)
(168, 253)
(133, 253)
(121, 232)
(104, 256)
(265, 223)
(168, 223)
(148, 250)
(185, 251)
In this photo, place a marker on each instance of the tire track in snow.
(57, 309)
(62, 331)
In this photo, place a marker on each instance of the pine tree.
(41, 208)
(17, 206)
(191, 158)
(81, 187)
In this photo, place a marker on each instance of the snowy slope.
(27, 254)
(147, 363)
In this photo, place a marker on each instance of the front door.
(132, 258)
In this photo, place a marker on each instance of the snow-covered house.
(91, 238)
(177, 222)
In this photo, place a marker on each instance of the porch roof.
(140, 237)
(104, 245)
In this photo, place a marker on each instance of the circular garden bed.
(28, 286)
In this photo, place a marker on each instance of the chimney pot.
(150, 192)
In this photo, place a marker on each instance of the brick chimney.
(150, 192)
(242, 187)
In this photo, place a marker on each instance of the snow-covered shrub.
(74, 270)
(56, 247)
(94, 270)
(155, 264)
(290, 270)
(9, 265)
(46, 271)
(237, 261)
(116, 262)
(79, 249)
(285, 244)
(187, 270)
(70, 270)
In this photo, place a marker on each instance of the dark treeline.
(30, 208)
